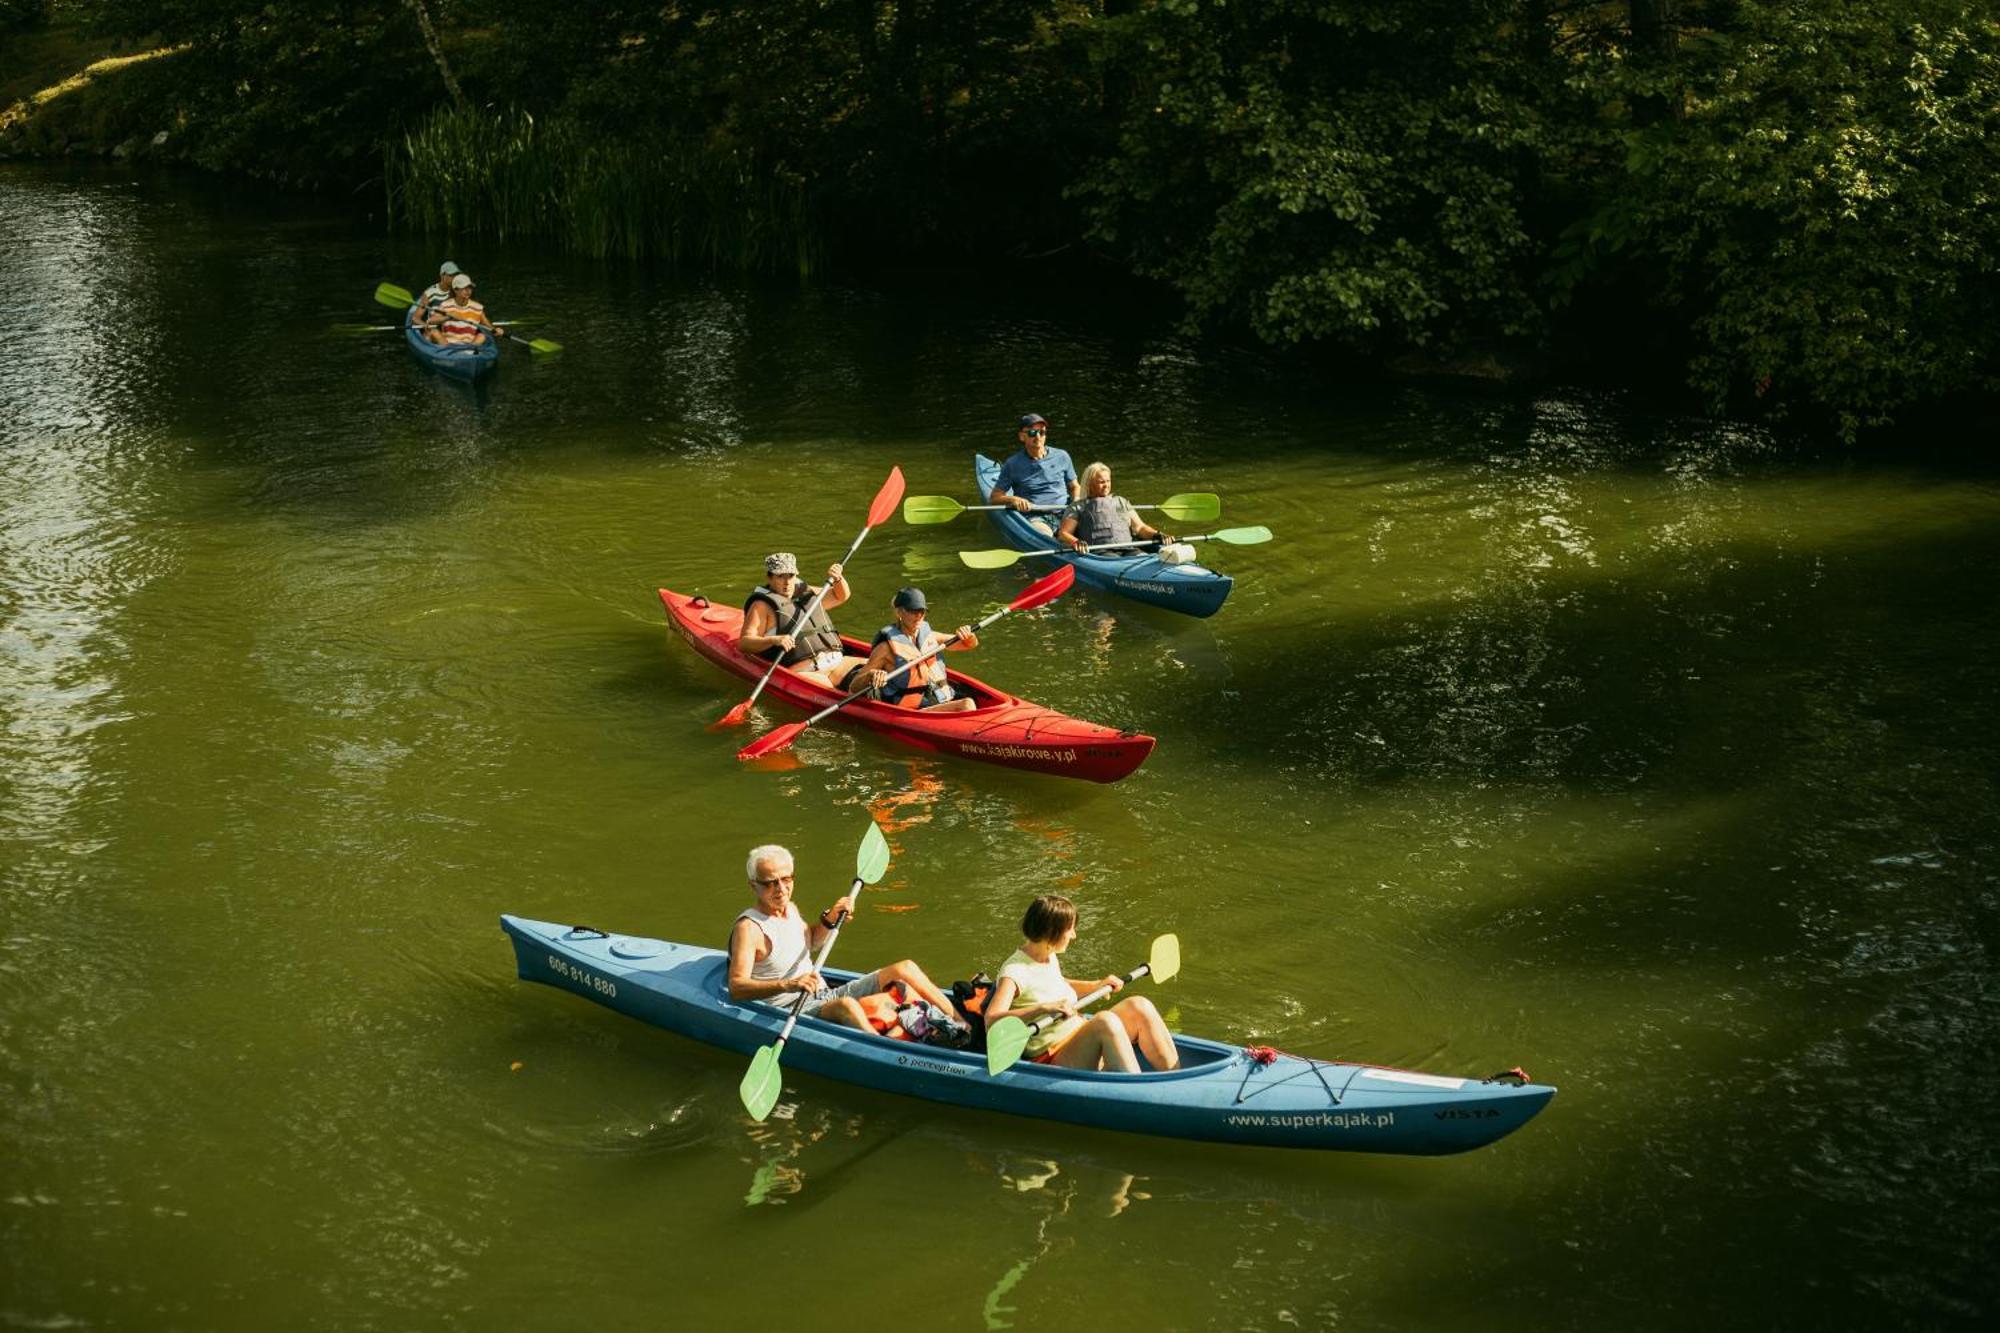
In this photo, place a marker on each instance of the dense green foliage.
(474, 172)
(1823, 213)
(18, 14)
(1786, 204)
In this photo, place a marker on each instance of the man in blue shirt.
(1036, 476)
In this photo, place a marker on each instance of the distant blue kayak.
(1221, 1093)
(466, 362)
(1193, 590)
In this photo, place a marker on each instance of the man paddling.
(777, 628)
(439, 291)
(771, 951)
(1036, 476)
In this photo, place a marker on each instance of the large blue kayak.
(466, 362)
(1193, 590)
(1223, 1093)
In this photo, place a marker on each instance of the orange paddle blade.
(772, 741)
(1044, 590)
(733, 717)
(886, 499)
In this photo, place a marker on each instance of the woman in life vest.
(1031, 985)
(459, 320)
(776, 627)
(909, 638)
(1103, 519)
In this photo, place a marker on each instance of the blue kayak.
(1221, 1093)
(466, 362)
(1193, 590)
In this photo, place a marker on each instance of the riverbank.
(66, 94)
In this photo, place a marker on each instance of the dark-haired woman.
(1030, 985)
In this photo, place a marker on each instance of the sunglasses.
(1036, 430)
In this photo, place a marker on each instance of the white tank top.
(790, 950)
(1040, 983)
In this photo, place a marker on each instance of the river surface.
(1654, 755)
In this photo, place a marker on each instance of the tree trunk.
(437, 52)
(1655, 30)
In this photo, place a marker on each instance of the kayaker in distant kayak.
(907, 638)
(460, 320)
(1036, 476)
(435, 294)
(771, 949)
(775, 625)
(1103, 519)
(1030, 985)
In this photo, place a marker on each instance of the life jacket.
(817, 636)
(913, 681)
(880, 1010)
(969, 998)
(1101, 521)
(462, 320)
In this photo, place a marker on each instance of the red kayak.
(1000, 729)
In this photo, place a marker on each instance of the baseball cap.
(448, 268)
(910, 599)
(781, 562)
(462, 280)
(1033, 419)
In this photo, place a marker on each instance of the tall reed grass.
(508, 175)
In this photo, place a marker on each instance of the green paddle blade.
(762, 1083)
(391, 295)
(1165, 960)
(1005, 1041)
(1242, 536)
(1198, 507)
(989, 559)
(543, 346)
(872, 862)
(931, 509)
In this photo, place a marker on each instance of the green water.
(1651, 754)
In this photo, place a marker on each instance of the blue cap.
(1033, 419)
(910, 599)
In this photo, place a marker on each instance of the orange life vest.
(880, 1010)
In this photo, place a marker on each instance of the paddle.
(399, 298)
(878, 513)
(1038, 593)
(762, 1082)
(1195, 507)
(504, 325)
(1009, 1037)
(1001, 559)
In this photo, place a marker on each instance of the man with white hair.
(771, 949)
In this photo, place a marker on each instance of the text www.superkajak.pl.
(1314, 1119)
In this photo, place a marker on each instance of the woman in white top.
(1030, 985)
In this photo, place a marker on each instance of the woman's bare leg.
(1148, 1031)
(1102, 1043)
